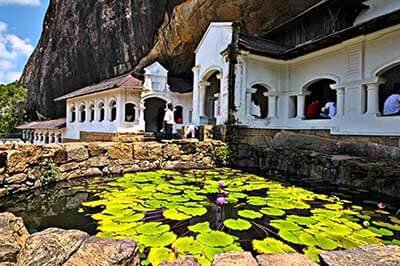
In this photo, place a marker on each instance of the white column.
(196, 96)
(271, 105)
(373, 97)
(339, 102)
(301, 100)
(142, 122)
(249, 92)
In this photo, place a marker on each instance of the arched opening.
(46, 138)
(178, 115)
(41, 137)
(102, 112)
(321, 102)
(211, 99)
(130, 112)
(389, 92)
(72, 114)
(113, 110)
(52, 138)
(259, 102)
(154, 114)
(59, 138)
(82, 113)
(91, 112)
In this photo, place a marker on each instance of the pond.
(206, 212)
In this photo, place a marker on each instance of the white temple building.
(127, 104)
(343, 52)
(330, 68)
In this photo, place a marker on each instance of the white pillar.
(301, 100)
(340, 99)
(196, 96)
(271, 105)
(373, 96)
(142, 122)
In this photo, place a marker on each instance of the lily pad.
(162, 240)
(215, 239)
(238, 225)
(174, 214)
(159, 255)
(271, 246)
(250, 214)
(200, 227)
(272, 212)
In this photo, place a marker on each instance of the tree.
(12, 113)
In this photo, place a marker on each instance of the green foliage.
(50, 174)
(165, 210)
(12, 114)
(222, 154)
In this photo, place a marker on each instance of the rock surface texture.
(27, 167)
(60, 247)
(84, 42)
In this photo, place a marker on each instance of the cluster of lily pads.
(170, 214)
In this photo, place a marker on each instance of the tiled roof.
(49, 124)
(124, 81)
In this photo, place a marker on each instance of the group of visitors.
(316, 111)
(169, 122)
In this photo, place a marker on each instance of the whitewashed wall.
(208, 61)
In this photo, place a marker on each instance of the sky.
(20, 28)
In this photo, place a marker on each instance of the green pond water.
(206, 212)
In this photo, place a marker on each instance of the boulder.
(235, 258)
(140, 151)
(16, 162)
(16, 179)
(31, 152)
(51, 247)
(368, 255)
(96, 149)
(100, 161)
(76, 152)
(171, 151)
(96, 251)
(68, 167)
(155, 151)
(293, 259)
(295, 141)
(13, 235)
(183, 261)
(121, 152)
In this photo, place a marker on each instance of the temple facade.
(127, 103)
(332, 67)
(340, 54)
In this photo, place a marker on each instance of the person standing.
(169, 121)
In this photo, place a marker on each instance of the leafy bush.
(50, 174)
(222, 154)
(12, 99)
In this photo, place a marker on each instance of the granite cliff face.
(87, 41)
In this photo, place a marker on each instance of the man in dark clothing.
(169, 121)
(313, 110)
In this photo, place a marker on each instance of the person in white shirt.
(329, 110)
(169, 121)
(255, 109)
(392, 103)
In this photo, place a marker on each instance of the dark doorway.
(320, 94)
(154, 114)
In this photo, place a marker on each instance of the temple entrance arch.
(319, 94)
(389, 84)
(154, 114)
(210, 98)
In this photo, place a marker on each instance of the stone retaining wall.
(24, 167)
(358, 164)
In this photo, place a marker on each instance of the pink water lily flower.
(221, 201)
(221, 183)
(381, 205)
